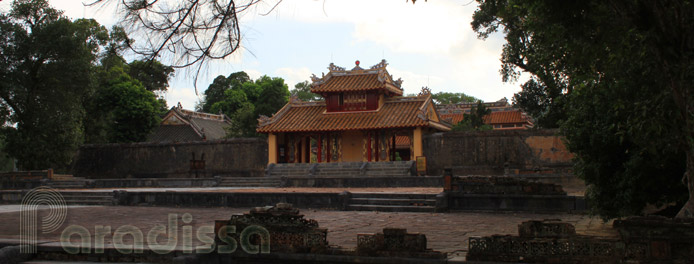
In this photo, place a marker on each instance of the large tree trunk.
(687, 210)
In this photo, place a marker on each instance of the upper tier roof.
(356, 80)
(396, 112)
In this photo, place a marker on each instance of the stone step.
(421, 196)
(88, 198)
(259, 179)
(394, 201)
(391, 208)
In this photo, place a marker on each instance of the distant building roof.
(495, 118)
(396, 112)
(357, 79)
(181, 125)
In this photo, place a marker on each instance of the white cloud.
(254, 74)
(292, 76)
(186, 96)
(413, 82)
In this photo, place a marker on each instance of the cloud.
(186, 96)
(293, 76)
(413, 82)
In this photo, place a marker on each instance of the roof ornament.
(334, 67)
(380, 65)
(422, 114)
(179, 105)
(262, 120)
(398, 82)
(294, 99)
(425, 91)
(314, 78)
(356, 67)
(382, 76)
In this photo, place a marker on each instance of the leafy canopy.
(617, 78)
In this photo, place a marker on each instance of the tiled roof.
(361, 82)
(454, 118)
(395, 113)
(501, 117)
(213, 129)
(402, 141)
(505, 117)
(180, 125)
(173, 133)
(356, 79)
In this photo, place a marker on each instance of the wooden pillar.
(328, 153)
(307, 154)
(417, 144)
(320, 150)
(271, 148)
(392, 149)
(368, 146)
(378, 147)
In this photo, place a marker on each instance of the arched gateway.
(364, 117)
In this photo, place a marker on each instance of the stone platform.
(445, 232)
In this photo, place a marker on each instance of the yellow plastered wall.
(417, 140)
(352, 146)
(271, 148)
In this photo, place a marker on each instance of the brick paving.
(446, 232)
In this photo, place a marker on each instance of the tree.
(218, 88)
(274, 94)
(130, 112)
(46, 62)
(475, 119)
(452, 98)
(302, 91)
(244, 102)
(586, 57)
(186, 33)
(153, 75)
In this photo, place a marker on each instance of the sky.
(427, 44)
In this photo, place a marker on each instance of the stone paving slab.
(446, 232)
(426, 190)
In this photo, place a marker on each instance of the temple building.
(364, 117)
(181, 125)
(502, 117)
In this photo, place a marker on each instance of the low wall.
(228, 199)
(515, 202)
(497, 152)
(357, 182)
(241, 157)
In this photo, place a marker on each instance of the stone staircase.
(392, 202)
(249, 182)
(88, 198)
(66, 182)
(342, 169)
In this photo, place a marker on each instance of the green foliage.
(53, 95)
(611, 75)
(243, 100)
(217, 90)
(274, 94)
(152, 74)
(302, 91)
(129, 110)
(452, 98)
(45, 68)
(475, 119)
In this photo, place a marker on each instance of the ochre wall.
(352, 146)
(497, 152)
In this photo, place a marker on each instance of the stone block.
(546, 229)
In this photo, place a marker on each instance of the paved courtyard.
(446, 232)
